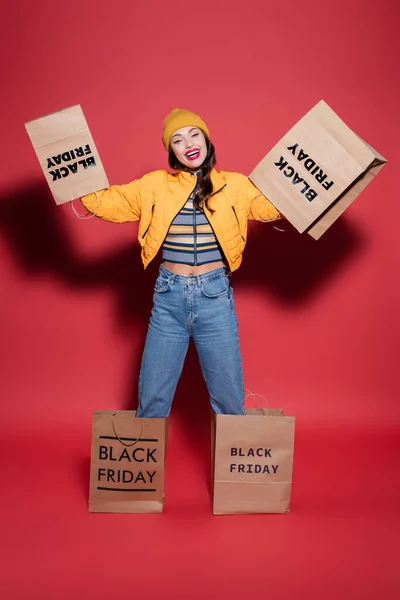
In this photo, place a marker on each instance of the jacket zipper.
(212, 228)
(148, 227)
(234, 212)
(173, 218)
(217, 192)
(191, 194)
(194, 236)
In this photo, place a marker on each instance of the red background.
(319, 321)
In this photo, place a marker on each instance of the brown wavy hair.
(204, 188)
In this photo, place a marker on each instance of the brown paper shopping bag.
(127, 463)
(67, 154)
(316, 170)
(253, 462)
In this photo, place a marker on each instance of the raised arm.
(259, 207)
(118, 203)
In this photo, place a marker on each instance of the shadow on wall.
(293, 267)
(40, 242)
(289, 266)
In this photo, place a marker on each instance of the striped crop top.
(190, 239)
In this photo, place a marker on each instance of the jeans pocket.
(215, 287)
(162, 285)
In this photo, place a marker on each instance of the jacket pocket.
(148, 226)
(237, 221)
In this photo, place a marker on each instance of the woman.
(198, 216)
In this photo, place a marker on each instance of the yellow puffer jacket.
(157, 197)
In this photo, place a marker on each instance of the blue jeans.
(199, 307)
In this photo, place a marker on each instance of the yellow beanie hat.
(178, 118)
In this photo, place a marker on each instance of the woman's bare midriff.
(188, 270)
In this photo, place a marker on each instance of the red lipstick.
(192, 154)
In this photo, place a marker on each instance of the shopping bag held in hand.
(316, 170)
(67, 154)
(127, 463)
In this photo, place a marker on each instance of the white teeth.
(192, 153)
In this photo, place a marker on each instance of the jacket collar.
(189, 180)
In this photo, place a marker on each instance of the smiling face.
(189, 146)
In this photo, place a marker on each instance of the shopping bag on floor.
(67, 154)
(253, 462)
(316, 170)
(127, 463)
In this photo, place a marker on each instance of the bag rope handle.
(119, 439)
(87, 215)
(254, 394)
